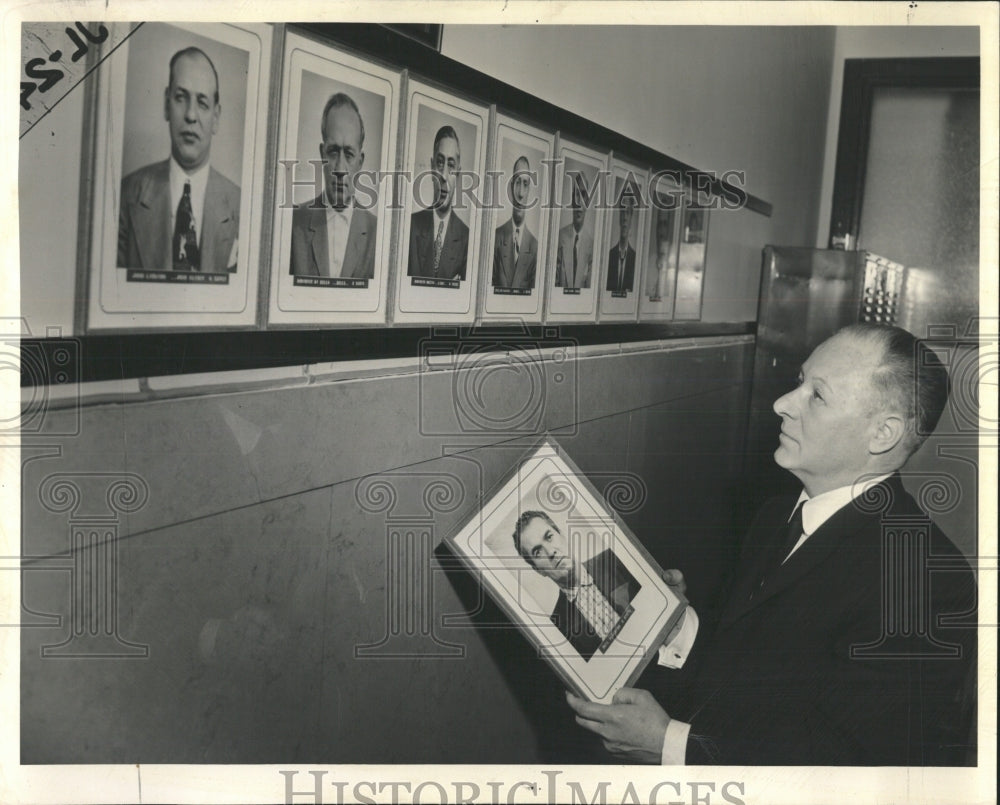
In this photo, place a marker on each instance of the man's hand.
(632, 726)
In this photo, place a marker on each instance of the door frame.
(861, 78)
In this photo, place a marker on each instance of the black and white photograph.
(179, 146)
(660, 272)
(444, 163)
(691, 265)
(365, 442)
(514, 271)
(332, 211)
(570, 575)
(577, 244)
(626, 231)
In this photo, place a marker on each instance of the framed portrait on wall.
(569, 573)
(576, 243)
(337, 128)
(444, 159)
(517, 226)
(691, 257)
(656, 301)
(179, 159)
(623, 256)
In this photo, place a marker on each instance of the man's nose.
(785, 404)
(189, 115)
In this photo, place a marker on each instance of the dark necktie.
(576, 240)
(517, 243)
(438, 244)
(791, 536)
(185, 245)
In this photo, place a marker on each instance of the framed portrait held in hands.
(568, 572)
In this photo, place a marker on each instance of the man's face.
(520, 188)
(446, 162)
(579, 211)
(341, 154)
(191, 111)
(828, 420)
(625, 221)
(546, 549)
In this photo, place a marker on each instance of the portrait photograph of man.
(662, 256)
(335, 233)
(594, 592)
(182, 156)
(439, 237)
(515, 247)
(336, 149)
(621, 259)
(575, 255)
(437, 246)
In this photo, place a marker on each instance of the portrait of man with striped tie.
(182, 214)
(439, 239)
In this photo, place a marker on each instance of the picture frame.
(621, 268)
(513, 287)
(572, 537)
(136, 279)
(580, 174)
(692, 250)
(659, 281)
(437, 284)
(319, 276)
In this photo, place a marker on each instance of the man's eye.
(816, 395)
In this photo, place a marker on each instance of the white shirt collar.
(817, 510)
(438, 218)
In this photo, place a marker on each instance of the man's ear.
(166, 104)
(889, 431)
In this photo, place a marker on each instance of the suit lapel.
(317, 240)
(846, 522)
(357, 241)
(152, 215)
(507, 267)
(214, 214)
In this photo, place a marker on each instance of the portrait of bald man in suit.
(439, 239)
(515, 250)
(331, 235)
(182, 214)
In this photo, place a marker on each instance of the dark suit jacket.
(505, 273)
(144, 234)
(310, 255)
(629, 275)
(454, 250)
(776, 684)
(615, 583)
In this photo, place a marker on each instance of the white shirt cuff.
(675, 743)
(675, 653)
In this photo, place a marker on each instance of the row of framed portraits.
(251, 176)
